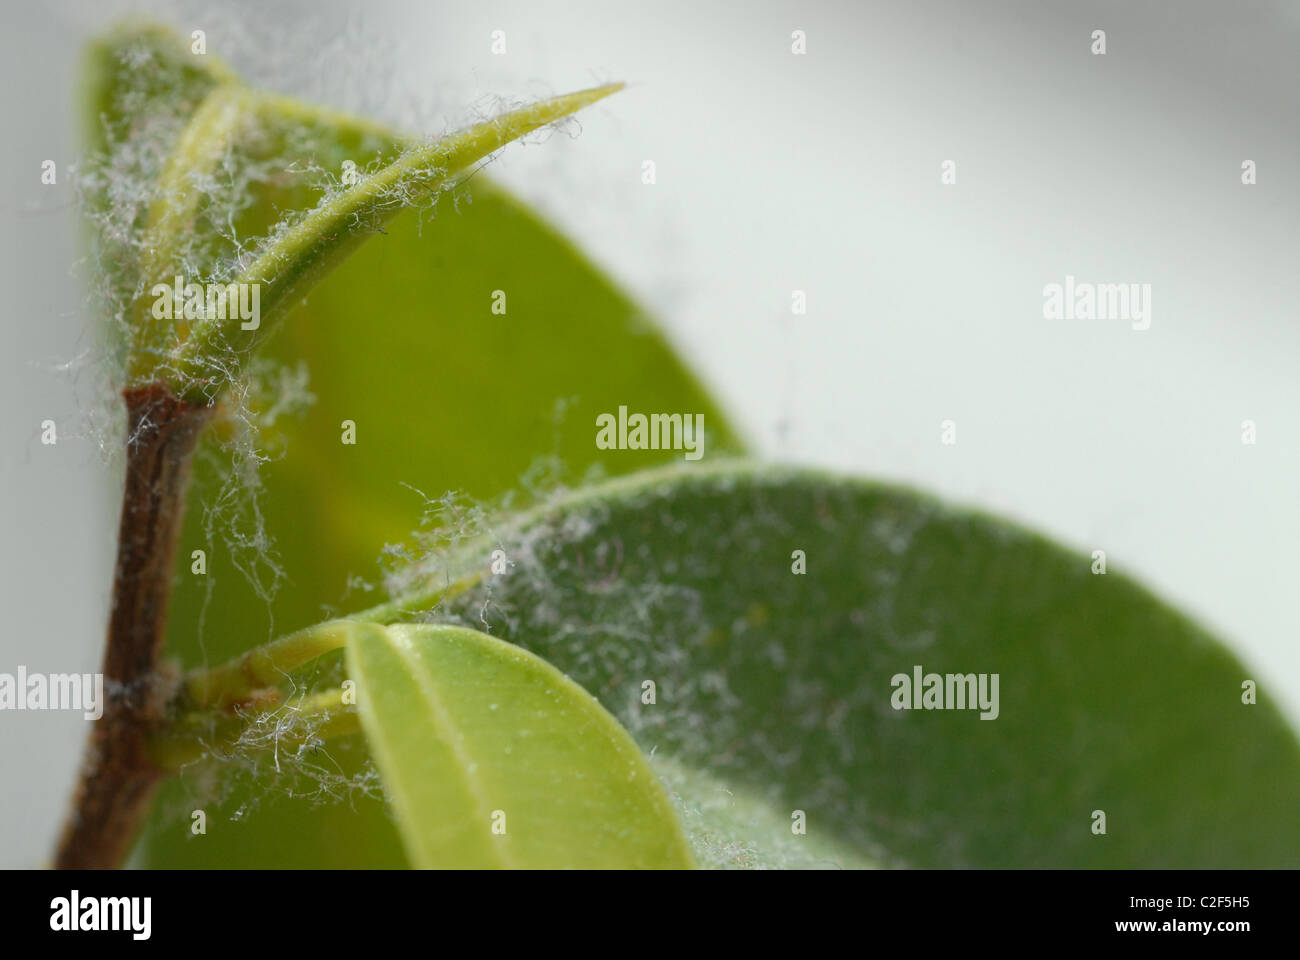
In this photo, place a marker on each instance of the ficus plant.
(567, 655)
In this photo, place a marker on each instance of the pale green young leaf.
(296, 258)
(493, 758)
(180, 146)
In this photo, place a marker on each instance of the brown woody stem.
(118, 778)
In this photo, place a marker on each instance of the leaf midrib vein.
(428, 686)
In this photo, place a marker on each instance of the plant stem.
(421, 601)
(118, 778)
(264, 666)
(224, 686)
(309, 719)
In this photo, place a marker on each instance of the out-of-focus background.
(778, 172)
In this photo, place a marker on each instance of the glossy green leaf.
(493, 758)
(777, 685)
(399, 339)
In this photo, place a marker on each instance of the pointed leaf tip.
(296, 259)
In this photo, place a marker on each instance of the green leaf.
(143, 88)
(191, 125)
(729, 828)
(298, 257)
(445, 395)
(778, 685)
(493, 758)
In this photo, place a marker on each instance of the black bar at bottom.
(242, 910)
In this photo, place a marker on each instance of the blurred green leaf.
(493, 758)
(777, 685)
